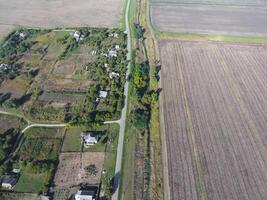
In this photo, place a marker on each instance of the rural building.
(88, 139)
(16, 170)
(8, 183)
(113, 35)
(42, 197)
(103, 94)
(22, 35)
(117, 47)
(112, 53)
(85, 195)
(113, 75)
(107, 67)
(4, 66)
(77, 35)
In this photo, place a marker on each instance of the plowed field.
(218, 17)
(215, 114)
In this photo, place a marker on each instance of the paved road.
(122, 121)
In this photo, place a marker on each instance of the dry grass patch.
(71, 169)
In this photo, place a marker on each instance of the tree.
(91, 169)
(140, 119)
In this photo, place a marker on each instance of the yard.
(72, 140)
(71, 169)
(37, 157)
(32, 183)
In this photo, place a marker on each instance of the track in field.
(215, 113)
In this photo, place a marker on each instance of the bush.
(140, 119)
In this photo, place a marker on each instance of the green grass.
(72, 140)
(126, 186)
(220, 38)
(32, 183)
(110, 157)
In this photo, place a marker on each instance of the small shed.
(8, 183)
(77, 35)
(103, 94)
(85, 195)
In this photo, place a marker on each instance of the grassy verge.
(110, 159)
(126, 185)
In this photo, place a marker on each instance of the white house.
(103, 94)
(112, 53)
(107, 67)
(88, 139)
(22, 35)
(4, 66)
(113, 75)
(84, 195)
(117, 47)
(8, 183)
(77, 35)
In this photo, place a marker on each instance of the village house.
(8, 183)
(113, 35)
(22, 35)
(113, 75)
(117, 47)
(85, 195)
(4, 66)
(77, 35)
(112, 53)
(103, 94)
(107, 67)
(88, 139)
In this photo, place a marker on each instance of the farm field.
(214, 109)
(220, 17)
(53, 14)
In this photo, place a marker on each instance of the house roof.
(89, 137)
(10, 181)
(84, 195)
(103, 94)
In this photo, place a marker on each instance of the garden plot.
(71, 169)
(8, 122)
(16, 87)
(214, 109)
(38, 155)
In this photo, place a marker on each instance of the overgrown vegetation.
(92, 62)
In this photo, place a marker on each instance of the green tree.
(91, 169)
